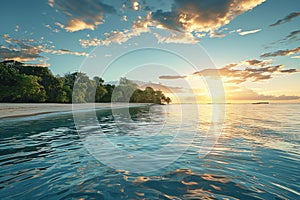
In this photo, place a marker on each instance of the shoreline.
(18, 110)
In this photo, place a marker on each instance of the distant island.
(31, 84)
(261, 102)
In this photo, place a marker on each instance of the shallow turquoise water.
(256, 157)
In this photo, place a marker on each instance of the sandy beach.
(10, 110)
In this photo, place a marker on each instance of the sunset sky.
(179, 46)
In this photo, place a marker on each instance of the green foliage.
(127, 91)
(16, 87)
(20, 83)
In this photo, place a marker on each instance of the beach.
(10, 110)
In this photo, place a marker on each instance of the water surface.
(256, 157)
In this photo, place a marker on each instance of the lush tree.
(17, 87)
(101, 90)
(20, 83)
(108, 95)
(124, 91)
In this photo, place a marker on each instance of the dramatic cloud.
(82, 14)
(286, 19)
(31, 51)
(202, 15)
(249, 70)
(286, 52)
(249, 32)
(188, 20)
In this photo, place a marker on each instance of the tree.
(124, 91)
(107, 97)
(100, 89)
(168, 100)
(19, 83)
(17, 87)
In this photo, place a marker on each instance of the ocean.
(184, 151)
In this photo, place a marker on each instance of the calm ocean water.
(256, 157)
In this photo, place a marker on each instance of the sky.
(193, 50)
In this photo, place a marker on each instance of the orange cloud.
(78, 24)
(249, 70)
(282, 52)
(30, 50)
(201, 15)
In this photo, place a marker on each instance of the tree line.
(29, 84)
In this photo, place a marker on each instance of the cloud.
(117, 37)
(120, 37)
(235, 31)
(124, 18)
(51, 3)
(82, 14)
(28, 50)
(177, 37)
(289, 70)
(202, 15)
(292, 36)
(59, 25)
(17, 28)
(282, 52)
(188, 20)
(90, 42)
(249, 32)
(19, 50)
(286, 19)
(138, 27)
(161, 87)
(65, 52)
(249, 70)
(20, 55)
(136, 6)
(78, 24)
(242, 93)
(213, 34)
(255, 62)
(172, 77)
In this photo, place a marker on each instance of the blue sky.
(88, 35)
